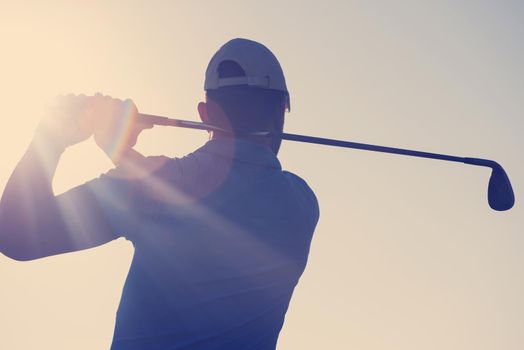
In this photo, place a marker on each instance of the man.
(221, 236)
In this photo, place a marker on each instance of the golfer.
(221, 236)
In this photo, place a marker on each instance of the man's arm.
(35, 223)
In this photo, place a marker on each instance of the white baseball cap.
(261, 67)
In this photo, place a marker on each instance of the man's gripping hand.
(67, 122)
(116, 126)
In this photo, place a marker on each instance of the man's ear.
(202, 111)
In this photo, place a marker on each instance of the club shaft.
(368, 147)
(159, 120)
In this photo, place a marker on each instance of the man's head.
(245, 90)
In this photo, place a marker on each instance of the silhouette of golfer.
(221, 236)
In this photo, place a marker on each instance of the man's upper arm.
(93, 213)
(83, 217)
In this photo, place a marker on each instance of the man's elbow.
(16, 251)
(16, 241)
(17, 255)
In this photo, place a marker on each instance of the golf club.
(500, 192)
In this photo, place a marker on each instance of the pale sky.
(407, 254)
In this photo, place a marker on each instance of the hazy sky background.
(407, 254)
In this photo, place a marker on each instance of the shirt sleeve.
(113, 203)
(95, 212)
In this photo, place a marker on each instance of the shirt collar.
(243, 151)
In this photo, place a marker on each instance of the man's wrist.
(43, 141)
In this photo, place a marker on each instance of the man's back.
(221, 238)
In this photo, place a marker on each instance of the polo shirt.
(221, 238)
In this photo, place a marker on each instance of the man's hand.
(115, 125)
(66, 123)
(74, 118)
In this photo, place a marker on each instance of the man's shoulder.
(139, 168)
(304, 194)
(298, 181)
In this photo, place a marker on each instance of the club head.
(500, 193)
